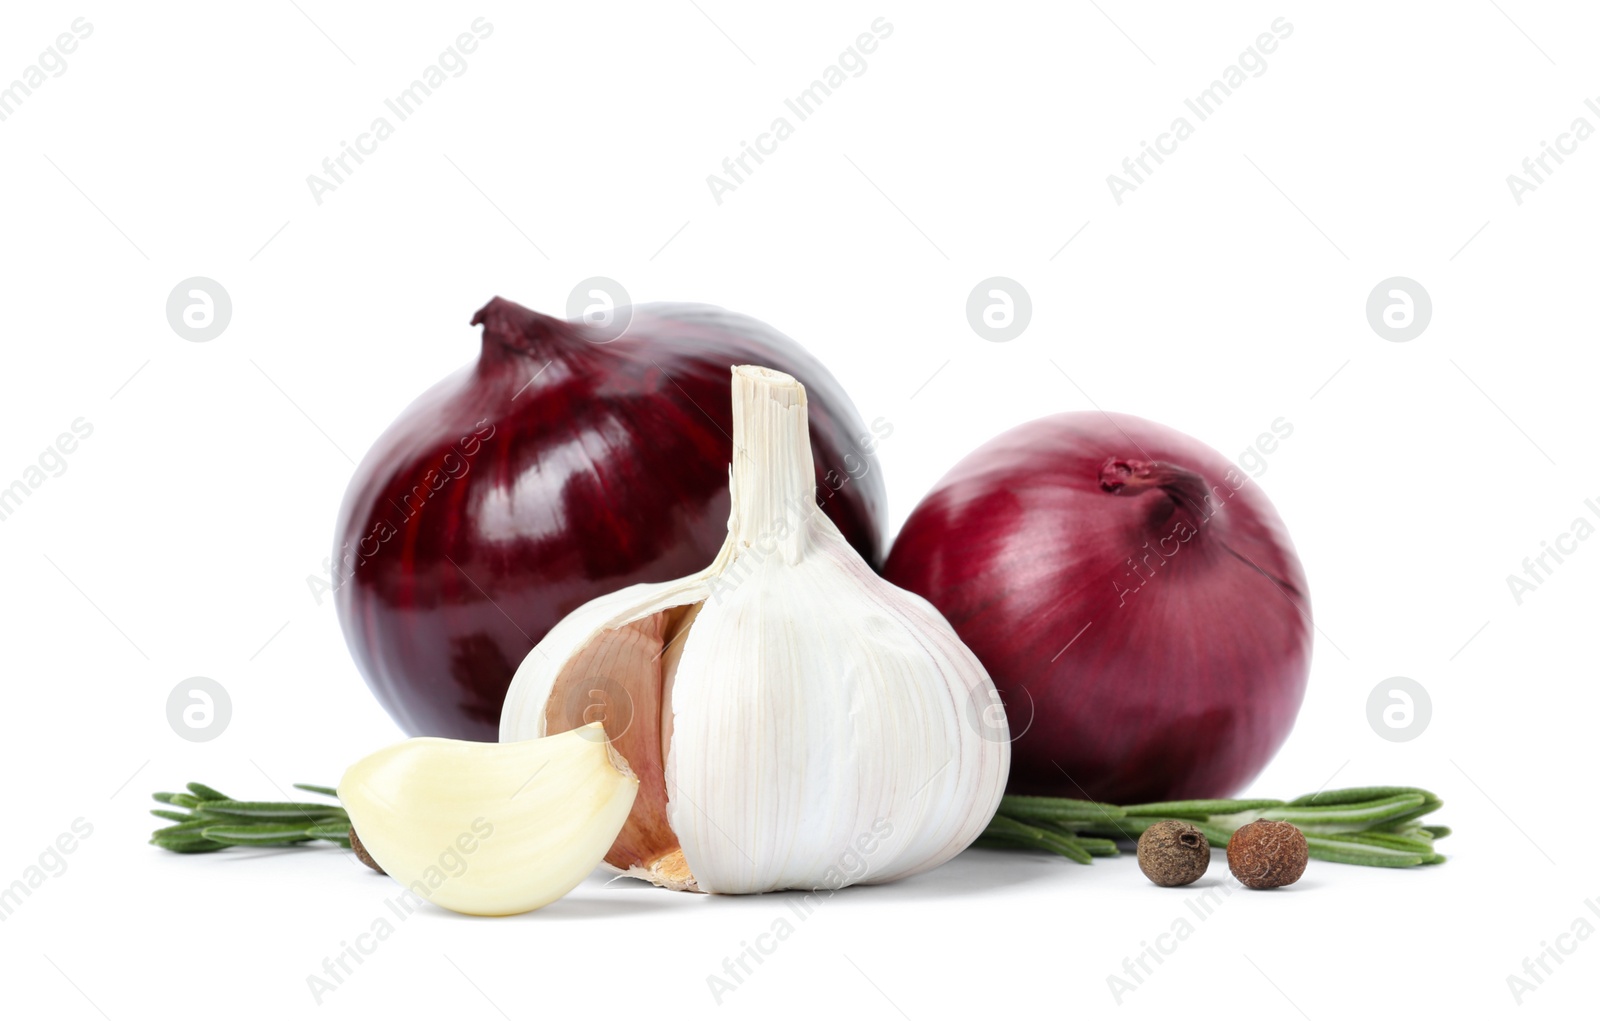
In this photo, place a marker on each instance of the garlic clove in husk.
(490, 829)
(795, 721)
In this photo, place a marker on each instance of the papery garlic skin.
(490, 829)
(823, 727)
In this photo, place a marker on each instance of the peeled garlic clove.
(795, 721)
(491, 829)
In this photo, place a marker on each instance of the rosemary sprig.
(215, 821)
(1374, 826)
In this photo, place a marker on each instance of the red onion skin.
(1181, 686)
(554, 470)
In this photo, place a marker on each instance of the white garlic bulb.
(795, 721)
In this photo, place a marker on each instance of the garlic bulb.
(795, 721)
(490, 829)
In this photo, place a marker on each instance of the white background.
(1227, 291)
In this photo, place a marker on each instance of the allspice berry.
(362, 855)
(1264, 855)
(1173, 853)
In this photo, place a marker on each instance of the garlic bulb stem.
(772, 478)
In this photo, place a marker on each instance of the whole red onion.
(1133, 595)
(559, 467)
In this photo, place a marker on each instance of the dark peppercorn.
(1265, 854)
(1173, 853)
(362, 855)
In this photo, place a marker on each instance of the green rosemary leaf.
(314, 789)
(259, 835)
(183, 829)
(302, 819)
(162, 813)
(1392, 841)
(1351, 795)
(305, 811)
(1199, 810)
(1001, 844)
(1074, 850)
(183, 800)
(165, 797)
(1098, 847)
(1043, 840)
(205, 793)
(1109, 832)
(1348, 817)
(1062, 809)
(1324, 849)
(187, 845)
(1414, 814)
(1127, 828)
(329, 831)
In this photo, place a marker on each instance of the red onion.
(559, 467)
(1133, 595)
